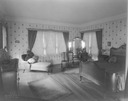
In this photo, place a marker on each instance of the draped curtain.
(82, 35)
(91, 44)
(66, 38)
(31, 38)
(49, 42)
(86, 38)
(4, 31)
(99, 41)
(1, 37)
(38, 47)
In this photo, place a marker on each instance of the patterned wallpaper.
(113, 31)
(18, 35)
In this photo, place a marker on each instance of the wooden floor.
(24, 93)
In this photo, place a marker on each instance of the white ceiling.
(63, 11)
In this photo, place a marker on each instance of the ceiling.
(63, 11)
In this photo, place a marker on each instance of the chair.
(76, 60)
(64, 61)
(70, 59)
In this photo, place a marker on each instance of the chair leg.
(63, 66)
(80, 78)
(30, 66)
(23, 70)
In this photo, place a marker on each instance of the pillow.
(112, 59)
(30, 54)
(31, 60)
(35, 58)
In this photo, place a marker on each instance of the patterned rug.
(48, 89)
(68, 87)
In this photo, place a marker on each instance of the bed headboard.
(121, 51)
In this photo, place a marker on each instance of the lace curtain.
(91, 44)
(3, 36)
(49, 42)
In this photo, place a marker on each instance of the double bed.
(110, 68)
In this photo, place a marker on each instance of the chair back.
(64, 56)
(70, 56)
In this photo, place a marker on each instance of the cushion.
(42, 66)
(31, 60)
(29, 55)
(35, 58)
(112, 59)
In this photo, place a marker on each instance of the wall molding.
(124, 15)
(78, 26)
(30, 20)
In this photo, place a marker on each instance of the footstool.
(41, 66)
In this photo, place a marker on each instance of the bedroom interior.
(63, 50)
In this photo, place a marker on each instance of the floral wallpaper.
(114, 32)
(18, 35)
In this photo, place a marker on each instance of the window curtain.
(49, 42)
(94, 46)
(62, 47)
(31, 38)
(91, 44)
(38, 47)
(1, 37)
(4, 31)
(99, 41)
(87, 40)
(82, 35)
(54, 42)
(66, 39)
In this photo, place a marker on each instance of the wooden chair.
(70, 59)
(64, 61)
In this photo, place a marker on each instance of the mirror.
(76, 45)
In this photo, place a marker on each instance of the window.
(3, 36)
(49, 42)
(91, 44)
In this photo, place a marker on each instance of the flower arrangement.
(82, 55)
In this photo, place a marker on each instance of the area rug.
(48, 89)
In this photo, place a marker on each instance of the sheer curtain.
(38, 47)
(1, 37)
(4, 31)
(91, 44)
(49, 42)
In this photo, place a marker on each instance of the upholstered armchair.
(6, 63)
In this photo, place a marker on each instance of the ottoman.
(41, 66)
